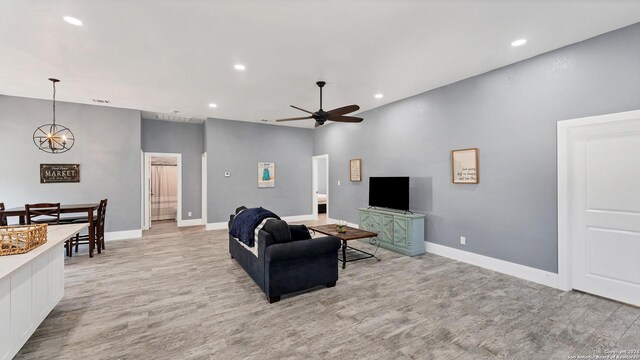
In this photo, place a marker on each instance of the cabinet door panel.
(376, 223)
(400, 231)
(56, 276)
(5, 318)
(40, 288)
(21, 306)
(386, 233)
(365, 220)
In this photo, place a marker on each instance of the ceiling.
(165, 56)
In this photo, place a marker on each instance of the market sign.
(59, 173)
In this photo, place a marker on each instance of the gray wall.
(186, 139)
(237, 147)
(322, 176)
(510, 114)
(107, 148)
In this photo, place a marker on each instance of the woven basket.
(20, 239)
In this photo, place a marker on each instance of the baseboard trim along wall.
(223, 225)
(122, 235)
(334, 221)
(190, 222)
(294, 218)
(216, 226)
(520, 271)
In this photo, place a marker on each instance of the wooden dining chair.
(98, 226)
(43, 213)
(102, 216)
(47, 213)
(3, 217)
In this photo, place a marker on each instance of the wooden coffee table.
(350, 234)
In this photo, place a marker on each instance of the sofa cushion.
(304, 249)
(299, 232)
(279, 230)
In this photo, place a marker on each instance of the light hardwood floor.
(176, 294)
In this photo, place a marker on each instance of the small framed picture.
(266, 174)
(464, 166)
(355, 170)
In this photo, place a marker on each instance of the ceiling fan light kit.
(322, 116)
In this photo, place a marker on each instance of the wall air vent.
(173, 117)
(101, 101)
(149, 115)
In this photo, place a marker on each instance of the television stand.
(390, 210)
(402, 233)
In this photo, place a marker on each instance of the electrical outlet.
(227, 174)
(338, 182)
(463, 240)
(189, 213)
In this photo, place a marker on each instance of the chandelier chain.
(54, 103)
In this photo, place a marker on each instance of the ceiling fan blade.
(351, 119)
(343, 110)
(295, 118)
(301, 109)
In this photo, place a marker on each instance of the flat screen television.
(389, 192)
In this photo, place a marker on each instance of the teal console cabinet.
(399, 232)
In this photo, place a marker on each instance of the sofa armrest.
(302, 248)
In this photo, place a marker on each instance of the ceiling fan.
(321, 116)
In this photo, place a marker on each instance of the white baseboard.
(216, 226)
(520, 271)
(334, 221)
(294, 218)
(190, 222)
(223, 225)
(121, 235)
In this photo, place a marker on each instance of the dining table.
(88, 209)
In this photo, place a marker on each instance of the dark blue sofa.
(285, 265)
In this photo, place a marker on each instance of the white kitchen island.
(31, 285)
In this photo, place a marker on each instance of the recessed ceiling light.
(519, 42)
(378, 96)
(73, 21)
(212, 105)
(239, 67)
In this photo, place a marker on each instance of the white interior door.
(605, 209)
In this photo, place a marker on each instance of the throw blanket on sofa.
(245, 223)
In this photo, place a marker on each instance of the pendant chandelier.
(53, 138)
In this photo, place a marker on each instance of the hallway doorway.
(162, 189)
(320, 185)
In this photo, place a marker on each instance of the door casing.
(564, 142)
(146, 194)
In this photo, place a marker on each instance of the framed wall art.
(266, 174)
(355, 170)
(464, 166)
